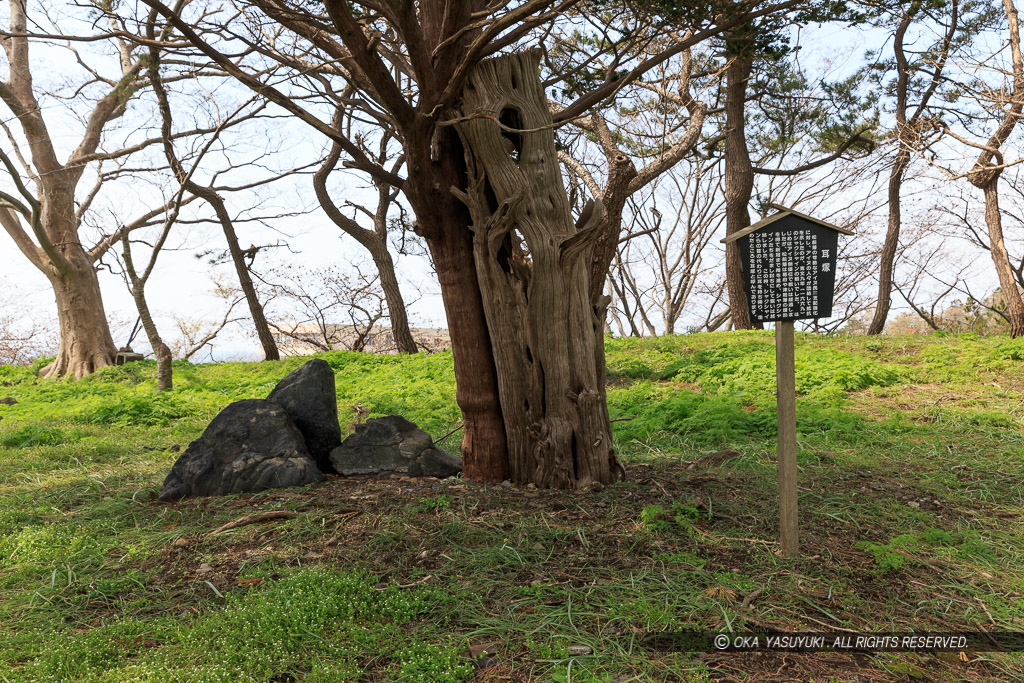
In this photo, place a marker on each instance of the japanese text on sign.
(783, 274)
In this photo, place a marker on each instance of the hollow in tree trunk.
(532, 265)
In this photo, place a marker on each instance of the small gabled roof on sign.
(782, 212)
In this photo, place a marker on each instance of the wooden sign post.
(789, 270)
(785, 401)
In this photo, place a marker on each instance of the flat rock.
(8, 401)
(308, 396)
(251, 445)
(393, 445)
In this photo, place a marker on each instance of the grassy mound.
(912, 501)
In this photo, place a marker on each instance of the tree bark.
(719, 320)
(1001, 259)
(85, 341)
(533, 268)
(164, 375)
(404, 341)
(137, 285)
(484, 450)
(985, 175)
(739, 184)
(904, 138)
(259, 320)
(892, 238)
(621, 172)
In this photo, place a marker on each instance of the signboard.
(789, 269)
(789, 273)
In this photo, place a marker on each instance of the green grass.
(911, 453)
(337, 617)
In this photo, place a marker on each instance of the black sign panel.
(789, 270)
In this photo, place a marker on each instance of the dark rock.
(308, 396)
(8, 401)
(393, 445)
(251, 445)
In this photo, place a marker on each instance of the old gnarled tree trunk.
(532, 264)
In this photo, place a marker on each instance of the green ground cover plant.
(911, 453)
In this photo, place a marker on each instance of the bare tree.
(1002, 104)
(136, 282)
(43, 214)
(208, 194)
(46, 214)
(195, 334)
(665, 246)
(375, 240)
(629, 295)
(980, 316)
(846, 195)
(988, 169)
(766, 94)
(962, 218)
(24, 336)
(327, 308)
(662, 128)
(918, 77)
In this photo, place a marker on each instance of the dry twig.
(426, 578)
(253, 519)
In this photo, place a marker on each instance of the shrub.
(144, 409)
(750, 369)
(30, 435)
(680, 517)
